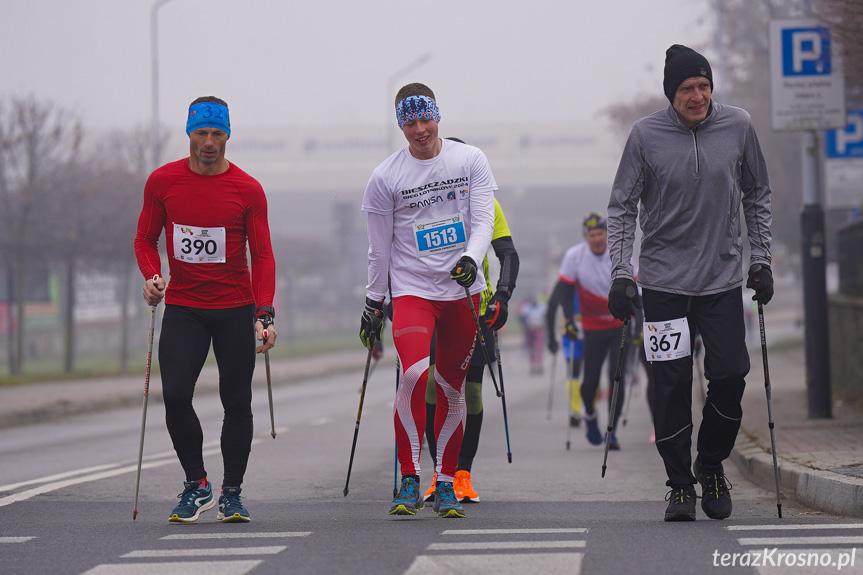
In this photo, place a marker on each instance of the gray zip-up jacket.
(690, 183)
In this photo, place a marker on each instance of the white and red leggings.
(414, 322)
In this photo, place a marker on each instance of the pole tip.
(273, 433)
(509, 457)
(779, 508)
(135, 514)
(603, 471)
(345, 492)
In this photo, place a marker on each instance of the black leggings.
(473, 400)
(183, 348)
(599, 345)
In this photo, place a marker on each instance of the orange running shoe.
(463, 488)
(429, 494)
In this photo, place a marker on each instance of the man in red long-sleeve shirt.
(209, 208)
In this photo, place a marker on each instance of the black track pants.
(719, 320)
(599, 345)
(183, 348)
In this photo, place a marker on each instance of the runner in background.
(585, 269)
(494, 313)
(572, 345)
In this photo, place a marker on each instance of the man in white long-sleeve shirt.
(430, 219)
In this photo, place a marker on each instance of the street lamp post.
(391, 88)
(154, 53)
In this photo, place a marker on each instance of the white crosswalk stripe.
(15, 539)
(223, 567)
(538, 556)
(176, 568)
(204, 552)
(774, 551)
(261, 535)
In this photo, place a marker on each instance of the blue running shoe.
(193, 502)
(613, 444)
(231, 508)
(408, 500)
(445, 502)
(591, 427)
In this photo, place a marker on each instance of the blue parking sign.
(847, 142)
(806, 51)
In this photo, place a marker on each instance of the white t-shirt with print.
(423, 215)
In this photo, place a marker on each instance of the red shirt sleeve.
(261, 250)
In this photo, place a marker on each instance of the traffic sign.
(807, 89)
(847, 142)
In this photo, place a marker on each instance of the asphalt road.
(67, 490)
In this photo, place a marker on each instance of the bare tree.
(35, 138)
(125, 165)
(845, 18)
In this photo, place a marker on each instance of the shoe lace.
(717, 485)
(232, 499)
(409, 489)
(446, 495)
(679, 495)
(189, 493)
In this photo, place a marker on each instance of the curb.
(111, 395)
(816, 488)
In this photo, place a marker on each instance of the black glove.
(497, 311)
(761, 280)
(371, 323)
(623, 298)
(552, 344)
(464, 272)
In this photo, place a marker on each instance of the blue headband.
(414, 107)
(208, 115)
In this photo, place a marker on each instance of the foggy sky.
(279, 62)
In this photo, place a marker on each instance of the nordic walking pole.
(631, 379)
(267, 324)
(551, 385)
(155, 279)
(613, 406)
(630, 293)
(396, 458)
(359, 414)
(502, 396)
(700, 374)
(769, 407)
(569, 378)
(481, 339)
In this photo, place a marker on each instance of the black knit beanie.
(682, 63)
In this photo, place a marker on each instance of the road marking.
(95, 468)
(176, 568)
(55, 477)
(488, 545)
(262, 534)
(499, 564)
(795, 527)
(773, 541)
(513, 531)
(15, 539)
(321, 421)
(48, 487)
(215, 552)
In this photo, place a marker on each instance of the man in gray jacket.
(691, 166)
